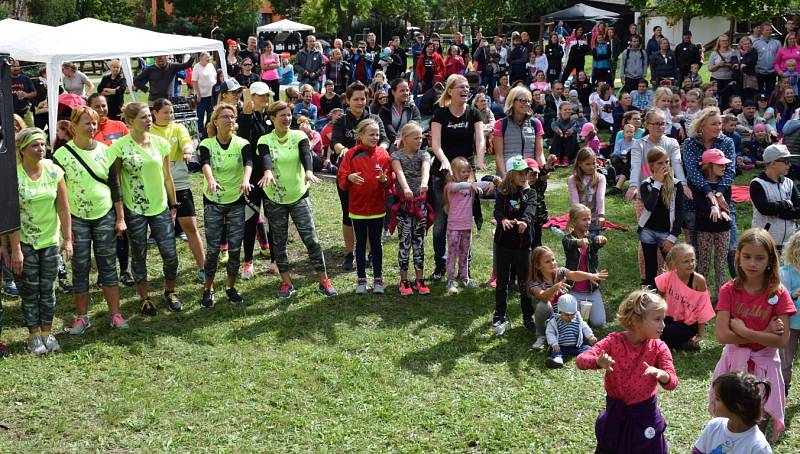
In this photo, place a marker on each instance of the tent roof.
(92, 39)
(285, 25)
(582, 12)
(11, 30)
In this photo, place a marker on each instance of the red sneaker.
(492, 280)
(405, 288)
(421, 288)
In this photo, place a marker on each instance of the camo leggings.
(36, 289)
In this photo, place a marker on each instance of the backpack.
(641, 55)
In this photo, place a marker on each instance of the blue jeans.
(569, 351)
(316, 83)
(652, 241)
(204, 108)
(649, 236)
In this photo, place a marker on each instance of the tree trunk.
(687, 20)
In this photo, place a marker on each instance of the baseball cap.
(260, 88)
(516, 163)
(230, 85)
(775, 151)
(532, 164)
(762, 97)
(586, 129)
(573, 93)
(760, 127)
(567, 304)
(714, 156)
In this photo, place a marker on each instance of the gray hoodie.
(633, 64)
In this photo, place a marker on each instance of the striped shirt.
(567, 331)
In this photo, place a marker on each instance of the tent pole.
(128, 71)
(53, 80)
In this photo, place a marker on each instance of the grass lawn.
(351, 373)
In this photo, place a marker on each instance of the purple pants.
(458, 244)
(637, 428)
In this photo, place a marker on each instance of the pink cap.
(532, 164)
(759, 128)
(586, 129)
(714, 156)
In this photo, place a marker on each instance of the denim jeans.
(35, 283)
(569, 351)
(649, 236)
(163, 230)
(652, 241)
(214, 217)
(303, 220)
(97, 234)
(315, 82)
(204, 108)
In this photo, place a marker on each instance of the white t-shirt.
(716, 438)
(605, 112)
(204, 78)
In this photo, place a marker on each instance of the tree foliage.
(741, 9)
(235, 17)
(59, 12)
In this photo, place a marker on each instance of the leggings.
(564, 147)
(369, 229)
(213, 216)
(651, 267)
(458, 243)
(509, 260)
(252, 226)
(676, 333)
(303, 220)
(162, 228)
(411, 234)
(713, 244)
(123, 252)
(36, 290)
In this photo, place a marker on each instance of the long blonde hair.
(444, 99)
(576, 210)
(668, 187)
(583, 155)
(791, 251)
(456, 165)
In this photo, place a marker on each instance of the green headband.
(28, 140)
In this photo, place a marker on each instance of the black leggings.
(564, 147)
(275, 86)
(368, 229)
(650, 252)
(253, 228)
(676, 334)
(123, 253)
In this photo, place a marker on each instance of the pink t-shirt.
(497, 131)
(583, 265)
(755, 311)
(683, 303)
(459, 216)
(269, 74)
(627, 382)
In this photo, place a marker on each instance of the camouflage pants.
(99, 235)
(214, 217)
(36, 284)
(163, 230)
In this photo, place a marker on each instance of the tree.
(60, 12)
(741, 9)
(230, 15)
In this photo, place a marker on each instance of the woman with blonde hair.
(518, 134)
(204, 77)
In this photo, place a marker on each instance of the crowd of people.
(409, 147)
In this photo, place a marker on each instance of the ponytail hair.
(740, 393)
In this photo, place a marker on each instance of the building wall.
(704, 29)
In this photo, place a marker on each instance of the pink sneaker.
(493, 280)
(118, 322)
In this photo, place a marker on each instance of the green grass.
(351, 373)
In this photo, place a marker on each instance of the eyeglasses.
(462, 87)
(247, 64)
(226, 117)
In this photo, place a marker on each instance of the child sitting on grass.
(567, 333)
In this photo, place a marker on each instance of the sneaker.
(554, 363)
(377, 286)
(36, 346)
(326, 288)
(183, 236)
(172, 301)
(51, 344)
(201, 276)
(208, 299)
(438, 272)
(127, 279)
(421, 288)
(492, 282)
(80, 325)
(286, 291)
(529, 326)
(332, 169)
(148, 308)
(223, 256)
(65, 285)
(452, 287)
(264, 251)
(387, 235)
(248, 270)
(500, 327)
(234, 296)
(469, 283)
(10, 289)
(347, 263)
(118, 322)
(361, 286)
(405, 288)
(540, 343)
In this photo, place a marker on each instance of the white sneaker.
(540, 343)
(51, 343)
(248, 270)
(361, 286)
(452, 288)
(378, 287)
(469, 283)
(36, 346)
(555, 363)
(500, 327)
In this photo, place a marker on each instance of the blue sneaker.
(10, 289)
(201, 276)
(286, 291)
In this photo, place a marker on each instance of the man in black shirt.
(160, 76)
(253, 53)
(686, 54)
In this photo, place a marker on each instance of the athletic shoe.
(208, 299)
(80, 325)
(492, 282)
(36, 346)
(421, 288)
(500, 327)
(452, 287)
(377, 286)
(118, 322)
(469, 283)
(347, 263)
(248, 270)
(65, 285)
(51, 344)
(540, 343)
(387, 235)
(183, 236)
(201, 276)
(361, 286)
(234, 296)
(529, 326)
(438, 272)
(148, 308)
(326, 288)
(172, 301)
(127, 279)
(554, 363)
(286, 291)
(10, 289)
(264, 251)
(332, 169)
(405, 288)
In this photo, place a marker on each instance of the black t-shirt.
(427, 62)
(458, 133)
(326, 105)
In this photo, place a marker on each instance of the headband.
(28, 140)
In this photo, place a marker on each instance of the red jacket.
(369, 198)
(438, 68)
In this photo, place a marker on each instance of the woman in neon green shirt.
(227, 162)
(148, 196)
(34, 249)
(181, 152)
(97, 216)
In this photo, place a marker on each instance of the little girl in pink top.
(636, 361)
(587, 186)
(753, 320)
(688, 303)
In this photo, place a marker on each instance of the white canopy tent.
(92, 39)
(12, 29)
(285, 25)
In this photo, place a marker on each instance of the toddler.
(567, 333)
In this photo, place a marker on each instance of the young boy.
(643, 96)
(776, 200)
(694, 75)
(729, 124)
(567, 333)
